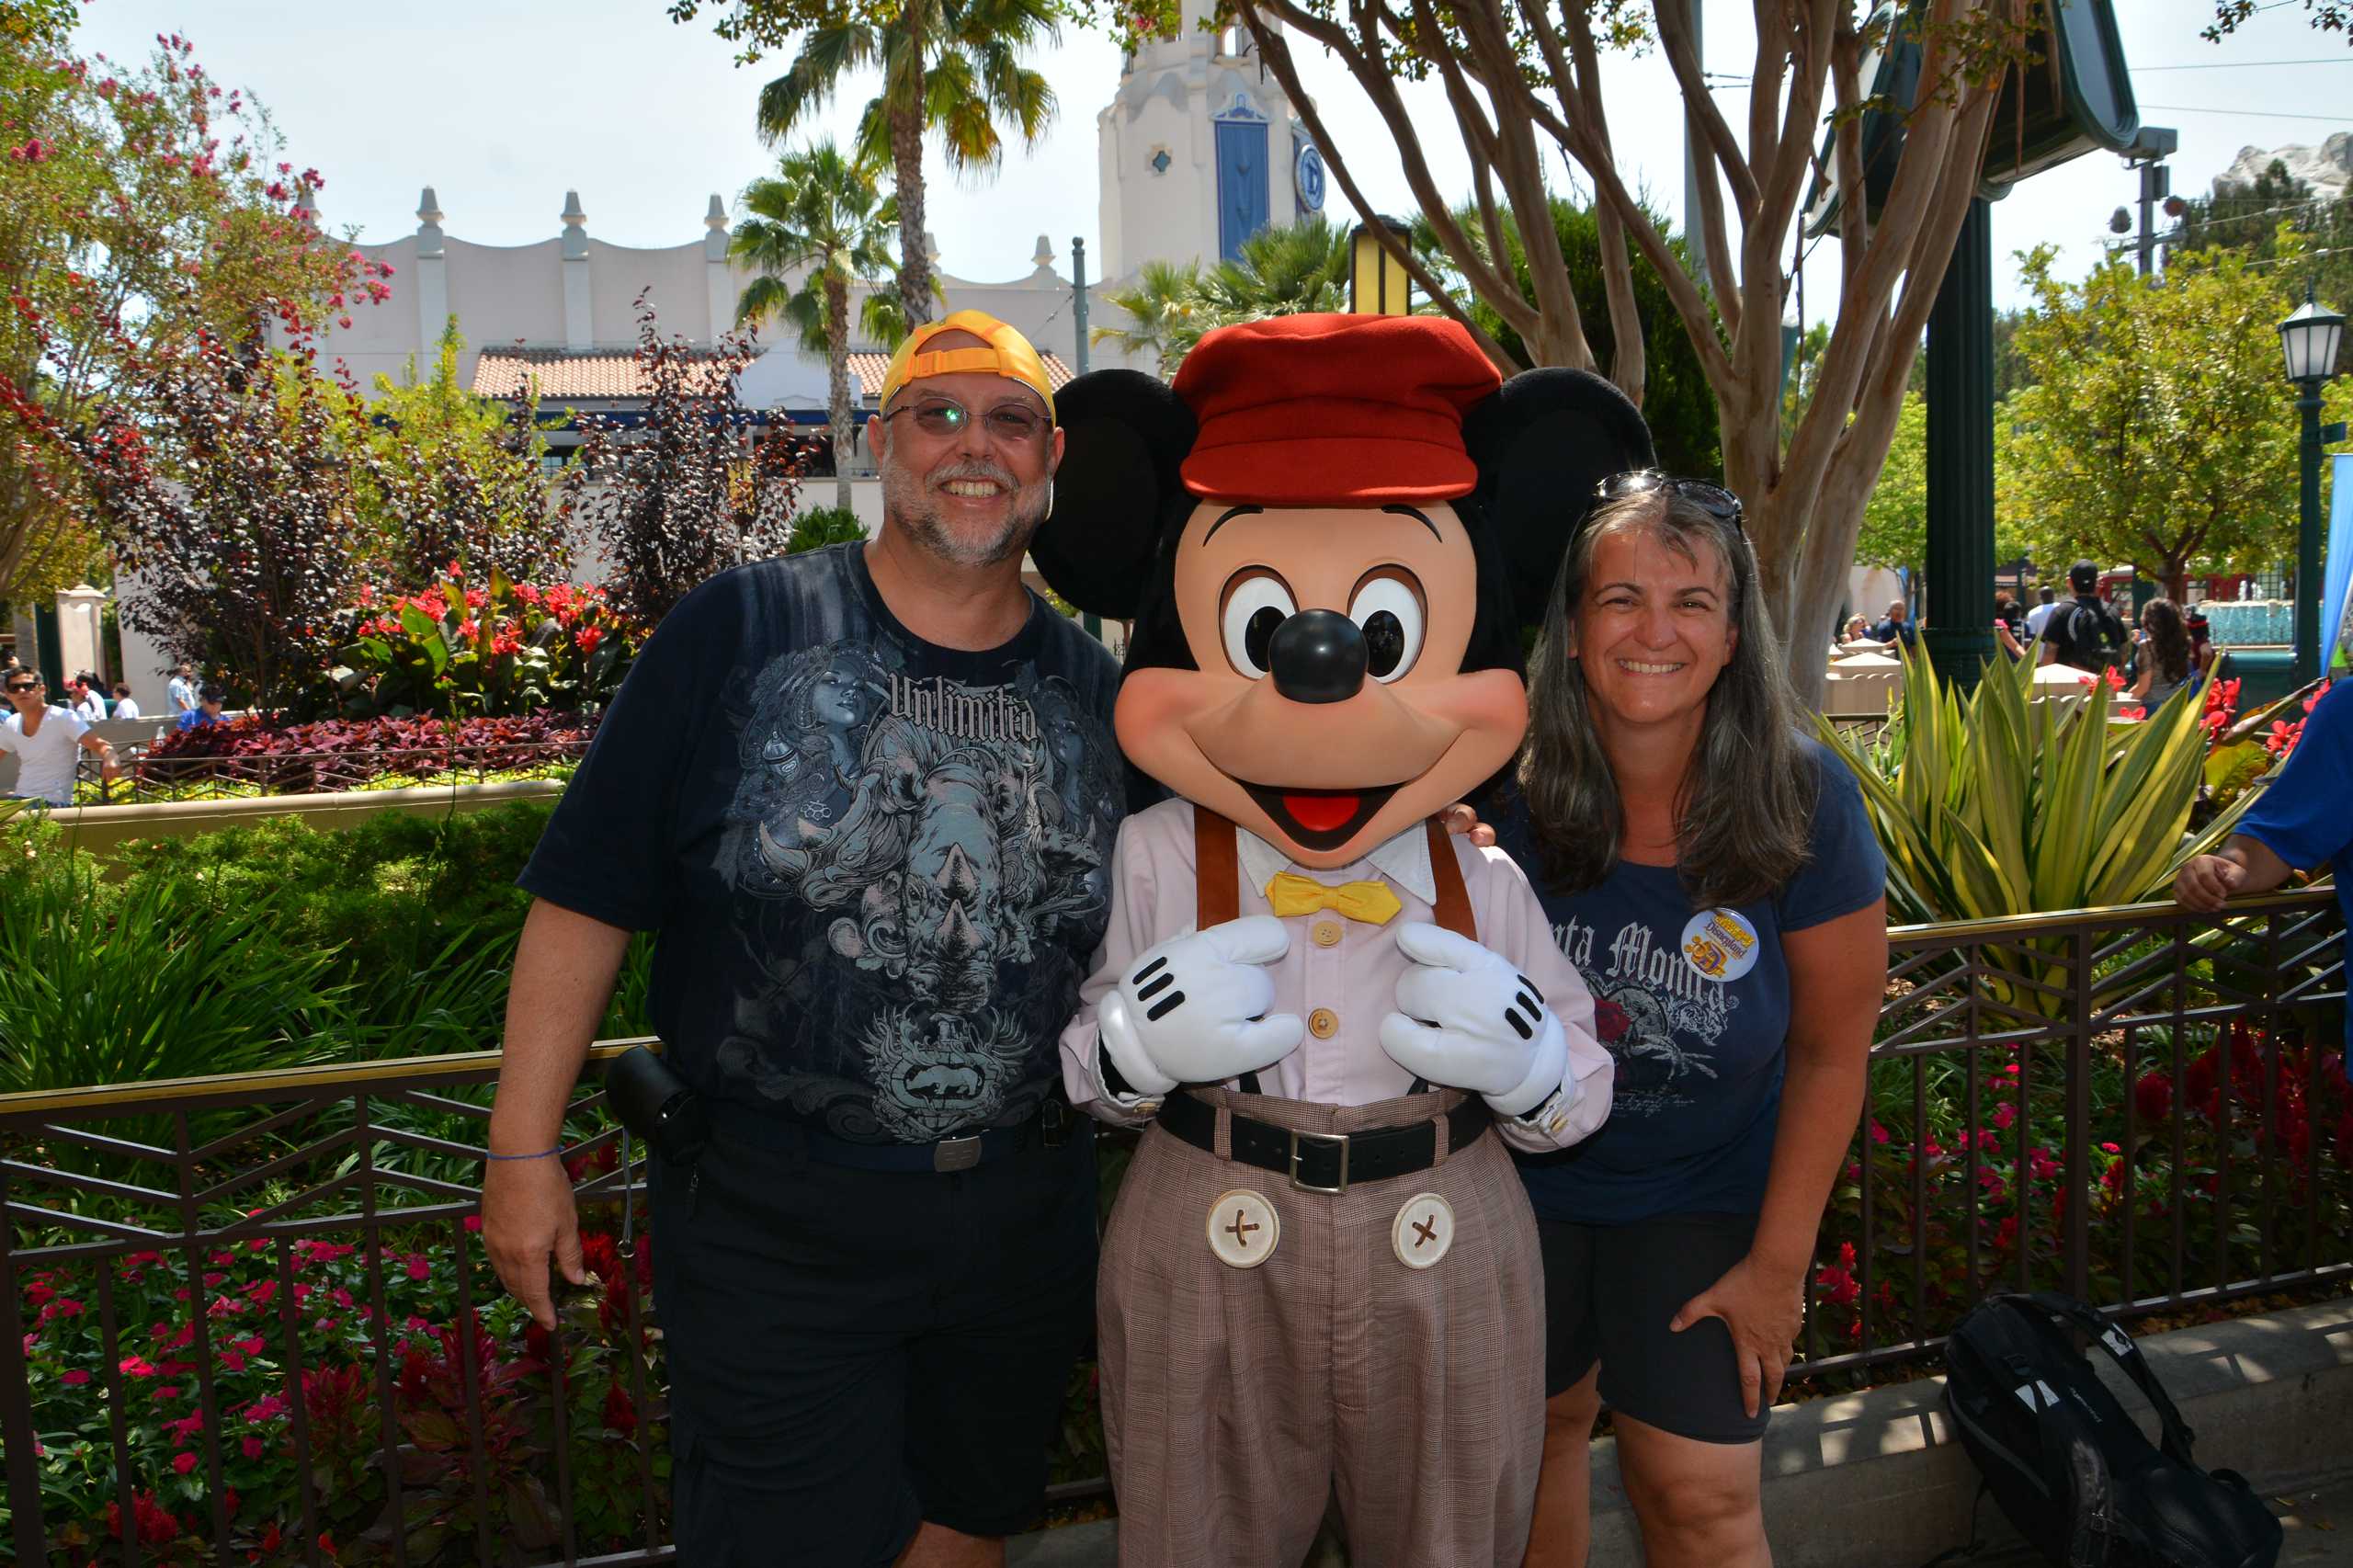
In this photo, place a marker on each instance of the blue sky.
(503, 105)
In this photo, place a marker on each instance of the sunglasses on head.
(1713, 499)
(1013, 422)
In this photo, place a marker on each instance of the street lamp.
(1379, 284)
(2309, 339)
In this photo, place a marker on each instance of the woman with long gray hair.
(1712, 875)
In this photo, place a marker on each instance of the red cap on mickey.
(1334, 410)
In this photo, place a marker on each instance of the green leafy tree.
(1895, 519)
(2157, 430)
(820, 215)
(1675, 397)
(2249, 218)
(1281, 271)
(1166, 315)
(140, 207)
(953, 67)
(458, 478)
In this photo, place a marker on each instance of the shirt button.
(1327, 933)
(1323, 1023)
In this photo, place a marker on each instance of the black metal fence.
(248, 1316)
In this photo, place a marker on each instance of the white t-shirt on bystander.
(45, 758)
(127, 708)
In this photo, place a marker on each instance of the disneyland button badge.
(1423, 1230)
(1243, 1228)
(1721, 944)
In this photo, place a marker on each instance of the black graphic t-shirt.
(878, 867)
(1694, 1007)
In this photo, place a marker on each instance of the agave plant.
(1999, 804)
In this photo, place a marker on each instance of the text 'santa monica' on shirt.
(877, 868)
(1693, 1005)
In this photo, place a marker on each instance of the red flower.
(620, 1416)
(137, 1366)
(184, 1463)
(588, 637)
(252, 1448)
(418, 1268)
(2153, 1098)
(74, 1379)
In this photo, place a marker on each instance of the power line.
(2254, 113)
(2240, 65)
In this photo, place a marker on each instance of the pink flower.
(185, 1462)
(74, 1379)
(252, 1448)
(2005, 1114)
(136, 1366)
(418, 1268)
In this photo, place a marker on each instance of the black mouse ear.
(1543, 444)
(1124, 437)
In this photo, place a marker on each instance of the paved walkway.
(2319, 1525)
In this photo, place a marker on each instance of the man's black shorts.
(854, 1352)
(1609, 1292)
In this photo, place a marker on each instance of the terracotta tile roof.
(559, 373)
(867, 368)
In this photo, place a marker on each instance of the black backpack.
(2068, 1463)
(2087, 631)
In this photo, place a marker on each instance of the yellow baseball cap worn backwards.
(1008, 354)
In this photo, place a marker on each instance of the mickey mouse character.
(1321, 1271)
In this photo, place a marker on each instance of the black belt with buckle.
(1327, 1162)
(1054, 1126)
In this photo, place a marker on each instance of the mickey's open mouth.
(1319, 819)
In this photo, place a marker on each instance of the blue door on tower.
(1242, 200)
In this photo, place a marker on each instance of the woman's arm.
(1837, 977)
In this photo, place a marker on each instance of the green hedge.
(264, 946)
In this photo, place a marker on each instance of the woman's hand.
(1762, 1305)
(1463, 818)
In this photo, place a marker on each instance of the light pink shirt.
(1337, 966)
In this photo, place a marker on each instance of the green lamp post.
(2309, 339)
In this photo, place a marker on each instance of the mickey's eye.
(1255, 603)
(1390, 614)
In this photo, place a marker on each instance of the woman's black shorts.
(1609, 1292)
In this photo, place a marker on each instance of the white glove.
(1192, 1009)
(1481, 1025)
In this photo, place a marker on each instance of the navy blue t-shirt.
(878, 868)
(1694, 1007)
(2305, 814)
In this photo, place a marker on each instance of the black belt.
(1327, 1162)
(1054, 1126)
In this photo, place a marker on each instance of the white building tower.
(1197, 150)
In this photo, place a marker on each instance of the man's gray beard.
(924, 526)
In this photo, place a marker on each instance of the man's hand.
(1192, 1009)
(1762, 1307)
(1462, 818)
(1468, 1019)
(528, 1218)
(2205, 880)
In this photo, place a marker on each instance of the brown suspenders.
(1217, 876)
(1217, 881)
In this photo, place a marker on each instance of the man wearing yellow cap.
(877, 873)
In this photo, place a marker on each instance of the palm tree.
(1280, 272)
(953, 66)
(1164, 304)
(818, 211)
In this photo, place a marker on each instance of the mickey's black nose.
(1318, 656)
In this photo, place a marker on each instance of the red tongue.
(1321, 813)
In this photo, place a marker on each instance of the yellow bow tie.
(1371, 903)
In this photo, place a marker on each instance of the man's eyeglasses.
(1013, 423)
(1713, 499)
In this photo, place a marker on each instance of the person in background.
(88, 702)
(1713, 876)
(2164, 658)
(179, 692)
(2210, 657)
(209, 699)
(125, 705)
(45, 740)
(1895, 627)
(2008, 621)
(1856, 635)
(2084, 634)
(2040, 616)
(2299, 822)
